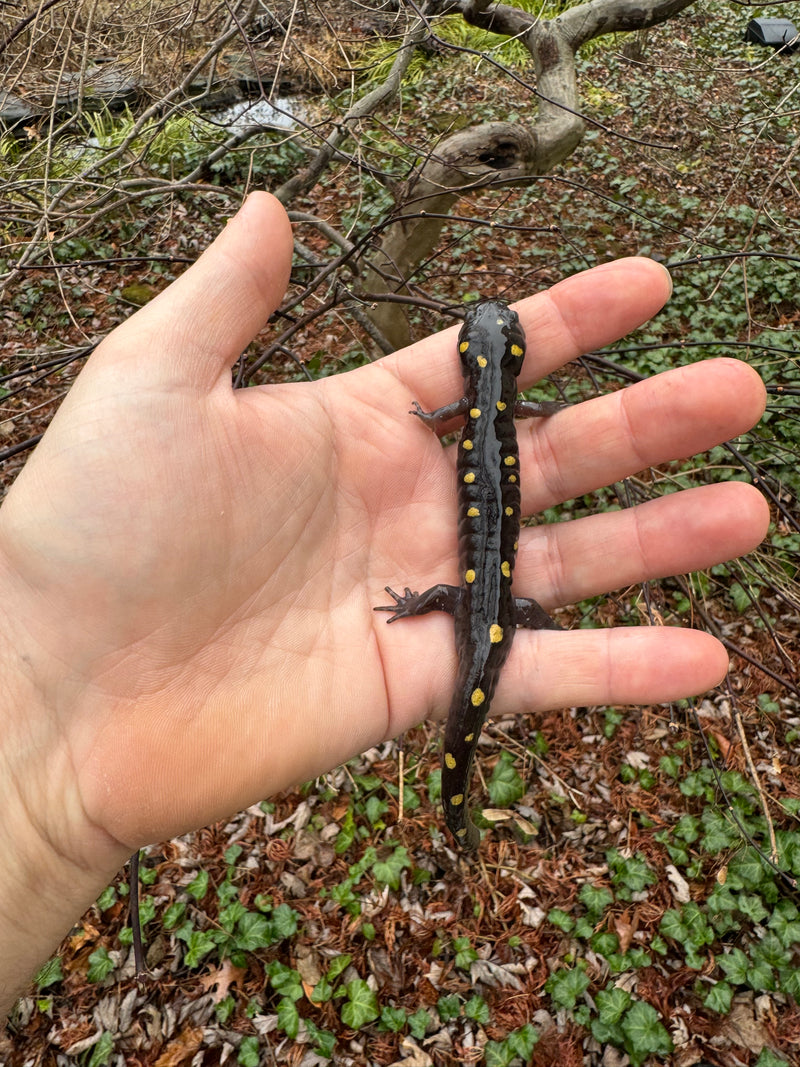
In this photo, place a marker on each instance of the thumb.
(196, 328)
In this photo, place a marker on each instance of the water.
(277, 114)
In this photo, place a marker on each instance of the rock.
(14, 111)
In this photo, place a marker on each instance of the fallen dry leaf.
(221, 979)
(182, 1048)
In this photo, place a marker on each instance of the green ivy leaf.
(284, 922)
(232, 854)
(629, 873)
(771, 951)
(100, 965)
(393, 1019)
(790, 982)
(448, 1007)
(418, 1024)
(225, 1009)
(785, 924)
(107, 898)
(749, 868)
(388, 871)
(522, 1041)
(751, 906)
(49, 974)
(566, 986)
(607, 1033)
(102, 1050)
(505, 785)
(760, 977)
(498, 1054)
(231, 914)
(288, 1017)
(604, 943)
(347, 834)
(719, 998)
(173, 915)
(248, 1052)
(595, 898)
(561, 919)
(198, 887)
(323, 1040)
(645, 1034)
(734, 964)
(323, 991)
(361, 1006)
(768, 1058)
(254, 931)
(285, 980)
(672, 926)
(338, 965)
(670, 765)
(375, 808)
(741, 601)
(476, 1008)
(612, 1003)
(198, 944)
(465, 953)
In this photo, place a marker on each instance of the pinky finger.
(621, 665)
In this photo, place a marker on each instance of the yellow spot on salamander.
(469, 737)
(463, 346)
(509, 511)
(461, 832)
(505, 567)
(466, 444)
(501, 405)
(478, 697)
(512, 477)
(516, 545)
(457, 799)
(469, 477)
(474, 413)
(469, 577)
(473, 512)
(450, 761)
(509, 461)
(516, 351)
(500, 322)
(481, 361)
(495, 633)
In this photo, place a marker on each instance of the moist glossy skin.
(492, 350)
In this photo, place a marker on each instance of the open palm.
(190, 571)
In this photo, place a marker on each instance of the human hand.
(189, 572)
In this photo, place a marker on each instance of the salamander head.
(492, 329)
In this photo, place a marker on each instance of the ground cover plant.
(633, 901)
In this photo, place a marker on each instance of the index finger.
(580, 313)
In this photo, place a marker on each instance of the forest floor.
(324, 926)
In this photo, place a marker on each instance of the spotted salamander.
(491, 345)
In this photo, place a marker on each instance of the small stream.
(278, 114)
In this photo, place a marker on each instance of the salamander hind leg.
(530, 615)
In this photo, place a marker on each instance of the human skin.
(188, 573)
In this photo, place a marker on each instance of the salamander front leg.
(532, 616)
(435, 420)
(437, 598)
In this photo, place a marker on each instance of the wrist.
(53, 861)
